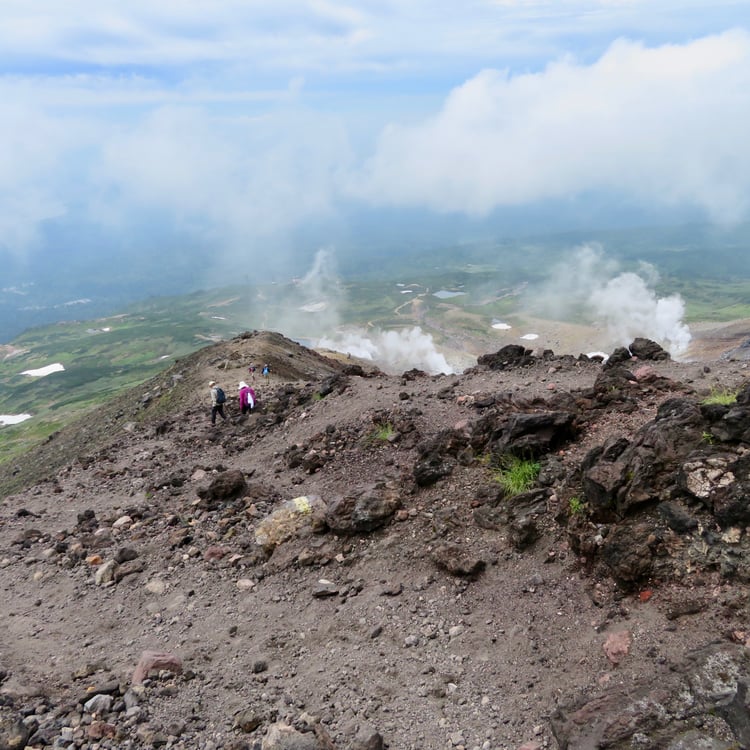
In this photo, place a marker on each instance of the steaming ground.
(396, 351)
(619, 304)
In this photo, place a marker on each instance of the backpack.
(221, 397)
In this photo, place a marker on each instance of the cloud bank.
(662, 125)
(237, 126)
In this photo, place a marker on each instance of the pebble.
(122, 522)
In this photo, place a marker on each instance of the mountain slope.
(407, 602)
(182, 386)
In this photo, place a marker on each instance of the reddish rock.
(101, 729)
(215, 553)
(617, 646)
(155, 660)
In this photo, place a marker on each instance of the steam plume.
(592, 286)
(392, 351)
(316, 315)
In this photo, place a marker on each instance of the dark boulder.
(614, 383)
(336, 382)
(628, 552)
(525, 434)
(437, 456)
(358, 371)
(734, 425)
(619, 355)
(362, 510)
(520, 514)
(432, 467)
(743, 395)
(510, 356)
(721, 481)
(458, 561)
(617, 478)
(603, 476)
(413, 374)
(524, 531)
(677, 517)
(229, 485)
(648, 349)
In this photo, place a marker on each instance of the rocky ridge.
(341, 568)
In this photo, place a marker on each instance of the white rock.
(99, 704)
(156, 586)
(105, 573)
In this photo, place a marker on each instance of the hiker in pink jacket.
(247, 398)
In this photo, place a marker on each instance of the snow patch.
(44, 371)
(6, 419)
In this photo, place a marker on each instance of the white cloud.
(665, 124)
(237, 120)
(242, 178)
(31, 144)
(174, 32)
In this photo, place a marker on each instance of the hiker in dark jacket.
(217, 404)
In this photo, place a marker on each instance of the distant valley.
(436, 310)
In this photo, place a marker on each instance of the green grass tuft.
(576, 506)
(708, 438)
(722, 396)
(383, 433)
(516, 475)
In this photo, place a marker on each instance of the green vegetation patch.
(516, 475)
(576, 506)
(722, 396)
(383, 433)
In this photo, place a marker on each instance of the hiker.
(264, 372)
(251, 370)
(217, 401)
(247, 398)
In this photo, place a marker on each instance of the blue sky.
(233, 124)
